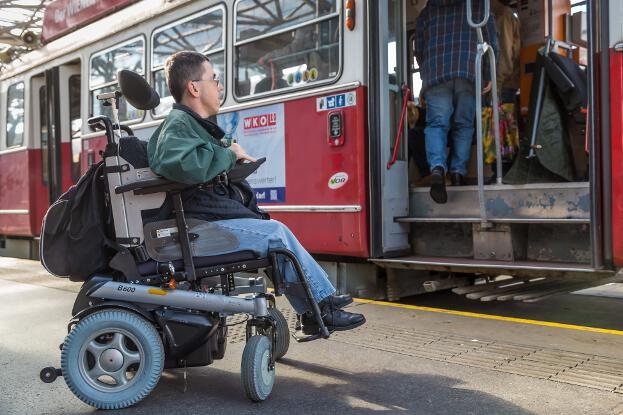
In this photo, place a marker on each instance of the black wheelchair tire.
(283, 333)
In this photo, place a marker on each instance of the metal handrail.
(485, 18)
(549, 44)
(485, 48)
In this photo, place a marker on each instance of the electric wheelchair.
(165, 302)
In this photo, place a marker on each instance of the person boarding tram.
(445, 48)
(186, 148)
(509, 42)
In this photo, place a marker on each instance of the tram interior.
(540, 212)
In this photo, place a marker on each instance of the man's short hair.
(182, 67)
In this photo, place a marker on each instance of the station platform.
(426, 358)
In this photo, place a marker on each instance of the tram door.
(388, 72)
(61, 140)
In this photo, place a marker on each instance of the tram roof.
(94, 31)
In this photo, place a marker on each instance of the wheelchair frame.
(157, 299)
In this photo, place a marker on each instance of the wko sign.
(64, 16)
(260, 121)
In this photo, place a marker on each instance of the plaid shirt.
(445, 44)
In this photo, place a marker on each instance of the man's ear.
(192, 89)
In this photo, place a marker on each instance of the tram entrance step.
(530, 203)
(536, 223)
(529, 269)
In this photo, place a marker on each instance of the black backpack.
(74, 240)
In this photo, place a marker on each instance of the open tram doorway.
(57, 128)
(546, 214)
(554, 147)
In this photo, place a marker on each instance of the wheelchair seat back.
(125, 164)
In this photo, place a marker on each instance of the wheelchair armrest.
(146, 187)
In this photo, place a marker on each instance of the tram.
(320, 88)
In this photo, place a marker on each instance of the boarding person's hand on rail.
(487, 88)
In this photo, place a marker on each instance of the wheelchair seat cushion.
(151, 267)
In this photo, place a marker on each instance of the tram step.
(529, 203)
(519, 268)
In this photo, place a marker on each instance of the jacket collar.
(212, 129)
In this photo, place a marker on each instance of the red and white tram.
(315, 87)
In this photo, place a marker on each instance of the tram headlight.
(29, 38)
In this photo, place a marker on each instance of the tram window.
(43, 132)
(75, 125)
(103, 75)
(254, 19)
(268, 57)
(15, 115)
(200, 32)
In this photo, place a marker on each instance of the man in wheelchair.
(187, 148)
(163, 298)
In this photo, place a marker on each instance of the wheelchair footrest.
(323, 332)
(309, 338)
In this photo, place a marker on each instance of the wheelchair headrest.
(137, 91)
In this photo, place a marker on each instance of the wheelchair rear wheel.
(112, 359)
(258, 377)
(283, 333)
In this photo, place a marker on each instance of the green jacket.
(183, 151)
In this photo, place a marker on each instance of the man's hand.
(487, 88)
(240, 153)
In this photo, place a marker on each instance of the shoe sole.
(345, 328)
(310, 330)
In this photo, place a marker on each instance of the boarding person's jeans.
(450, 106)
(261, 235)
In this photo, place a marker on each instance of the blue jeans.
(261, 235)
(450, 106)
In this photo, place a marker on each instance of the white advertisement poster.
(261, 132)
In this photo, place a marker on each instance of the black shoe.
(438, 185)
(341, 301)
(457, 179)
(334, 318)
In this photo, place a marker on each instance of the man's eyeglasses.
(216, 80)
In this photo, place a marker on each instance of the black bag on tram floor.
(74, 241)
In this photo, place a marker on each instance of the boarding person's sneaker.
(438, 185)
(334, 318)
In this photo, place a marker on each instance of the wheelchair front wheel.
(258, 377)
(112, 359)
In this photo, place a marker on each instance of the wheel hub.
(111, 360)
(266, 368)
